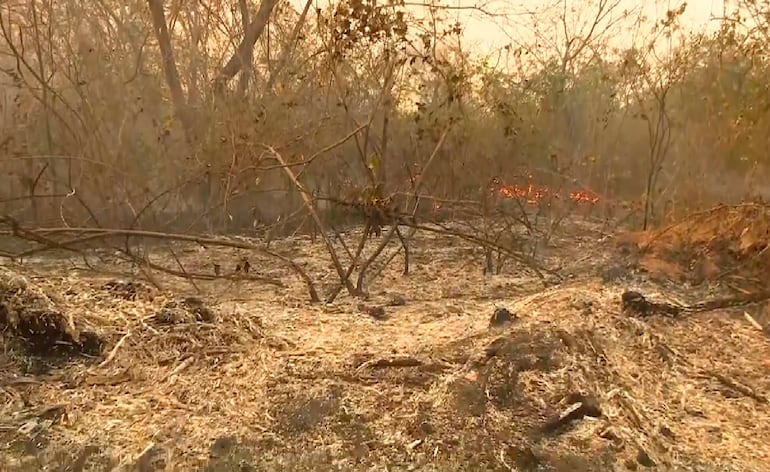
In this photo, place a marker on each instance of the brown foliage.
(728, 242)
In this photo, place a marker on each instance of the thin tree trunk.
(170, 70)
(246, 48)
(243, 83)
(194, 96)
(286, 53)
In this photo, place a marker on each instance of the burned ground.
(249, 376)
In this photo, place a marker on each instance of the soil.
(445, 368)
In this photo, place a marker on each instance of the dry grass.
(275, 383)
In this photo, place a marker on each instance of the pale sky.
(491, 33)
(488, 33)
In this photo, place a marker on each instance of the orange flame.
(533, 194)
(584, 196)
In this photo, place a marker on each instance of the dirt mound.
(186, 310)
(523, 378)
(30, 316)
(576, 389)
(727, 243)
(63, 333)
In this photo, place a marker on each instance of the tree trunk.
(169, 69)
(246, 48)
(243, 84)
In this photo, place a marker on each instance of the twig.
(752, 321)
(141, 461)
(183, 270)
(383, 244)
(416, 185)
(145, 267)
(182, 366)
(321, 151)
(114, 350)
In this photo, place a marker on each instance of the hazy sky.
(491, 33)
(495, 32)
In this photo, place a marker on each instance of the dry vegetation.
(245, 236)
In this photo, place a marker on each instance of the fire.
(533, 194)
(584, 196)
(529, 193)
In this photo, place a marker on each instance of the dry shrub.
(106, 146)
(725, 242)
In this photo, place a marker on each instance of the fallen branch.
(527, 261)
(737, 386)
(397, 361)
(182, 273)
(42, 236)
